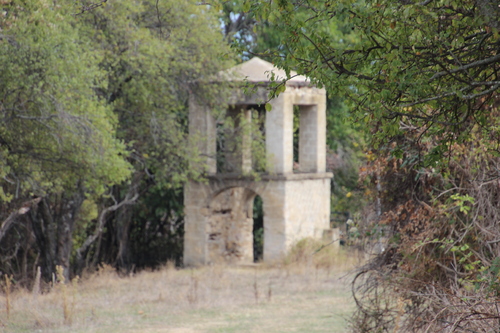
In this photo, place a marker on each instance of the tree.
(153, 53)
(422, 76)
(430, 65)
(57, 138)
(93, 104)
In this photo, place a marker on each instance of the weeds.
(310, 252)
(106, 301)
(68, 305)
(256, 289)
(7, 295)
(192, 295)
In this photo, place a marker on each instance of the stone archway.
(230, 226)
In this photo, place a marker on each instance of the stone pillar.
(195, 226)
(246, 145)
(312, 138)
(279, 135)
(202, 129)
(274, 201)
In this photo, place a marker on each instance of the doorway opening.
(258, 229)
(296, 137)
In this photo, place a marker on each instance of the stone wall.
(219, 216)
(307, 209)
(230, 226)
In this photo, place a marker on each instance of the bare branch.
(485, 83)
(464, 97)
(159, 18)
(101, 221)
(7, 223)
(91, 7)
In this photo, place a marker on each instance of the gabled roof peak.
(257, 70)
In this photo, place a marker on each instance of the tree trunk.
(50, 227)
(101, 221)
(65, 226)
(123, 221)
(43, 243)
(53, 225)
(9, 221)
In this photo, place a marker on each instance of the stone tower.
(295, 196)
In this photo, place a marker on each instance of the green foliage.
(460, 202)
(153, 55)
(252, 34)
(93, 104)
(346, 143)
(157, 231)
(54, 131)
(435, 71)
(491, 276)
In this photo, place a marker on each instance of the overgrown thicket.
(440, 270)
(93, 129)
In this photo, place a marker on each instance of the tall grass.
(169, 297)
(313, 252)
(7, 295)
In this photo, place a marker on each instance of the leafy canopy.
(153, 52)
(54, 130)
(403, 65)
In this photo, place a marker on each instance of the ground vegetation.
(305, 292)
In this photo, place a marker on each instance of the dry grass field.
(305, 293)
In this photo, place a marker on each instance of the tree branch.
(464, 97)
(339, 68)
(101, 221)
(466, 67)
(7, 223)
(159, 18)
(90, 7)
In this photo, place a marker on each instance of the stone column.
(279, 135)
(195, 224)
(202, 129)
(274, 200)
(246, 145)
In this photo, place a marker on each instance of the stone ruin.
(296, 196)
